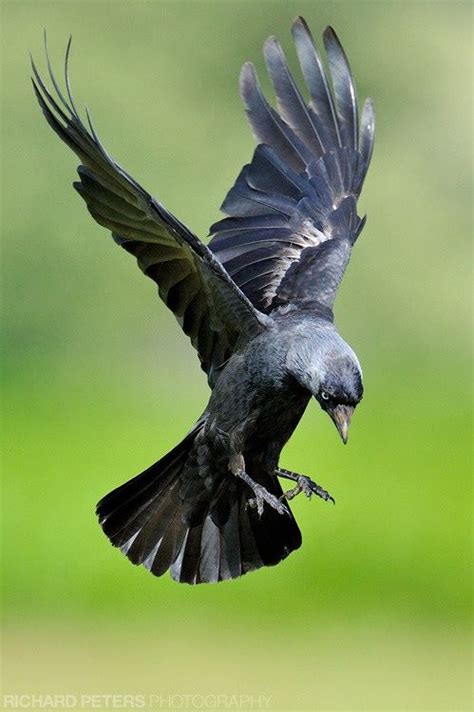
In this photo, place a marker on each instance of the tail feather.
(209, 561)
(187, 571)
(147, 479)
(169, 546)
(130, 503)
(249, 553)
(169, 517)
(276, 535)
(135, 513)
(156, 526)
(230, 555)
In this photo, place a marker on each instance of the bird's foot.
(262, 495)
(303, 484)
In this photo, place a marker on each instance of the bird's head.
(340, 390)
(325, 364)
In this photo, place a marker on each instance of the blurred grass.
(373, 612)
(343, 669)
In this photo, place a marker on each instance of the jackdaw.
(256, 303)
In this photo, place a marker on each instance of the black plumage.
(257, 305)
(308, 170)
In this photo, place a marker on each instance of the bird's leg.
(303, 484)
(262, 495)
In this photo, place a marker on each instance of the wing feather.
(291, 104)
(292, 213)
(322, 102)
(213, 310)
(267, 125)
(344, 89)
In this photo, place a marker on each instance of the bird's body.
(256, 304)
(256, 398)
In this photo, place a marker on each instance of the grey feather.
(308, 173)
(344, 89)
(145, 228)
(290, 102)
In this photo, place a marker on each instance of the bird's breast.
(256, 397)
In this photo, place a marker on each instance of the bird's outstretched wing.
(210, 307)
(292, 211)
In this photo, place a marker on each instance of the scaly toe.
(309, 488)
(274, 502)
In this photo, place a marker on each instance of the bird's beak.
(341, 415)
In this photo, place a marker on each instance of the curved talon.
(306, 485)
(262, 495)
(309, 488)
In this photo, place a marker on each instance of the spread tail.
(202, 529)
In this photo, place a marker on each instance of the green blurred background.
(373, 612)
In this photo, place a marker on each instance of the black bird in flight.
(257, 305)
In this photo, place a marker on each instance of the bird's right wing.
(292, 211)
(210, 307)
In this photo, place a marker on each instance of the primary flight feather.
(257, 305)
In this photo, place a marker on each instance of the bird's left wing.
(292, 211)
(210, 307)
